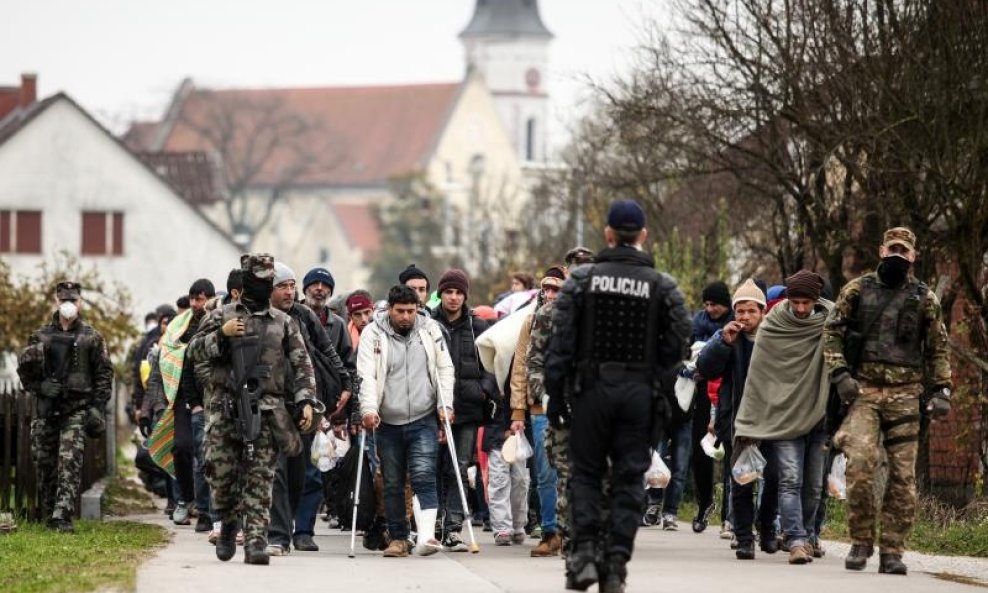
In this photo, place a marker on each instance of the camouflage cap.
(900, 235)
(259, 265)
(68, 290)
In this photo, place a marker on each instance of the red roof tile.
(360, 226)
(341, 136)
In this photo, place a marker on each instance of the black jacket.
(331, 376)
(730, 364)
(473, 384)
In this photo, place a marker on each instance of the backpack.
(343, 496)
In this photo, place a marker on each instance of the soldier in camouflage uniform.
(886, 347)
(67, 369)
(240, 476)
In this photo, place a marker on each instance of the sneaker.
(305, 543)
(549, 546)
(818, 551)
(651, 516)
(502, 538)
(334, 522)
(726, 530)
(398, 548)
(181, 514)
(800, 554)
(536, 532)
(488, 527)
(203, 524)
(734, 543)
(7, 523)
(277, 550)
(240, 537)
(745, 551)
(453, 543)
(518, 537)
(670, 523)
(700, 523)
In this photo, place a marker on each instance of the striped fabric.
(170, 362)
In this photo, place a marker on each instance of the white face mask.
(68, 310)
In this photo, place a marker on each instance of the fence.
(18, 483)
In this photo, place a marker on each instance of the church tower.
(508, 45)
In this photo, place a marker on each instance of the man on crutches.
(407, 391)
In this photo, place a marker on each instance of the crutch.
(356, 492)
(474, 547)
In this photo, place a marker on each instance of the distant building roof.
(336, 136)
(140, 135)
(360, 226)
(191, 174)
(506, 17)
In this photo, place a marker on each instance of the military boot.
(581, 567)
(858, 557)
(226, 544)
(255, 552)
(889, 563)
(614, 574)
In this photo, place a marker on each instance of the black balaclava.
(257, 293)
(893, 270)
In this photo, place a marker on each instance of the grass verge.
(100, 555)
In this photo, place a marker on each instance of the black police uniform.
(618, 325)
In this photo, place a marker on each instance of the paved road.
(665, 561)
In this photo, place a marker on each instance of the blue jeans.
(203, 502)
(800, 463)
(308, 504)
(676, 453)
(409, 449)
(545, 474)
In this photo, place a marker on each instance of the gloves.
(94, 424)
(144, 424)
(558, 413)
(847, 388)
(234, 327)
(937, 404)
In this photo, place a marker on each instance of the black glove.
(937, 403)
(144, 425)
(558, 413)
(847, 388)
(94, 424)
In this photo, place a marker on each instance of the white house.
(67, 184)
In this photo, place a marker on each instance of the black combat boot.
(614, 573)
(255, 552)
(889, 563)
(858, 557)
(745, 550)
(226, 544)
(581, 567)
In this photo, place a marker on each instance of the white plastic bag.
(516, 448)
(524, 449)
(749, 466)
(685, 388)
(658, 474)
(707, 444)
(323, 451)
(837, 481)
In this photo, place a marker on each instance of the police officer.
(618, 327)
(886, 347)
(239, 461)
(67, 368)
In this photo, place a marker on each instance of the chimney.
(29, 90)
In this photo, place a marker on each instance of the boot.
(858, 557)
(614, 574)
(745, 550)
(581, 567)
(255, 552)
(549, 546)
(226, 544)
(889, 563)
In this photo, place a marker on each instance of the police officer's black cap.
(626, 215)
(68, 290)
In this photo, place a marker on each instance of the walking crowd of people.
(574, 409)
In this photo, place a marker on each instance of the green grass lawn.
(99, 555)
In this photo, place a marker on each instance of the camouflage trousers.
(58, 445)
(239, 486)
(557, 449)
(894, 412)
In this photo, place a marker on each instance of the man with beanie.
(360, 310)
(727, 357)
(887, 353)
(473, 387)
(785, 404)
(418, 281)
(716, 312)
(407, 390)
(297, 491)
(240, 466)
(619, 329)
(318, 287)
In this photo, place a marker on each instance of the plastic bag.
(524, 449)
(707, 444)
(837, 481)
(323, 451)
(749, 465)
(516, 448)
(658, 474)
(685, 388)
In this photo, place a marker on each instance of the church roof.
(506, 17)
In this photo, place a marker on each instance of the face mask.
(68, 310)
(893, 270)
(257, 293)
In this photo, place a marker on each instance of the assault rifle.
(246, 387)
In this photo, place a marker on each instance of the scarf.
(785, 394)
(170, 362)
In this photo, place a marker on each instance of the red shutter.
(118, 233)
(4, 231)
(28, 231)
(93, 233)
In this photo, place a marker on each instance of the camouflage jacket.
(936, 368)
(89, 372)
(538, 344)
(282, 339)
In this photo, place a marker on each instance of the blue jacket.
(704, 327)
(730, 363)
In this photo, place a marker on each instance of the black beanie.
(717, 292)
(412, 272)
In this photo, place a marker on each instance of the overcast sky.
(122, 59)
